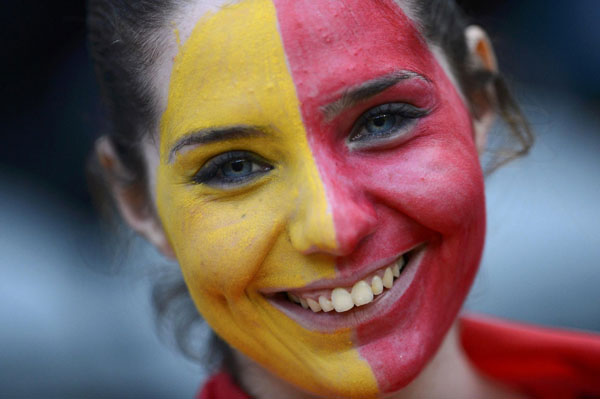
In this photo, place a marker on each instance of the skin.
(425, 188)
(258, 234)
(322, 208)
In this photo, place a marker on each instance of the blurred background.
(75, 314)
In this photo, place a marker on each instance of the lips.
(344, 304)
(361, 293)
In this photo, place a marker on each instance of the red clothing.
(221, 386)
(539, 362)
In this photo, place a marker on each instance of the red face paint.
(425, 189)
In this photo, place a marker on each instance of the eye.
(380, 124)
(232, 169)
(384, 123)
(237, 168)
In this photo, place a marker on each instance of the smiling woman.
(314, 169)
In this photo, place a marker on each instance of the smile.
(355, 301)
(343, 299)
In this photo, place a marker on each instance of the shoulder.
(535, 360)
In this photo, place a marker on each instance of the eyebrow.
(212, 135)
(366, 90)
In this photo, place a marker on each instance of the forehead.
(332, 39)
(332, 45)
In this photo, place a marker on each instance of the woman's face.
(307, 147)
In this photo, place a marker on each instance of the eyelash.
(404, 116)
(212, 173)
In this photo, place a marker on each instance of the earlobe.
(131, 198)
(482, 57)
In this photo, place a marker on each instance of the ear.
(131, 198)
(482, 57)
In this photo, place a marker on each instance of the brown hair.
(443, 24)
(125, 40)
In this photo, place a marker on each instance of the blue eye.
(384, 123)
(380, 123)
(231, 169)
(237, 168)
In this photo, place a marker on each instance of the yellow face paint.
(236, 244)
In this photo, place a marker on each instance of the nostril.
(312, 232)
(335, 226)
(353, 224)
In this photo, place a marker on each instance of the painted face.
(316, 152)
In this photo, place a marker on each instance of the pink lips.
(332, 321)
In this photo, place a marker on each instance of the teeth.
(326, 304)
(293, 298)
(377, 285)
(314, 305)
(341, 299)
(401, 262)
(304, 303)
(361, 293)
(388, 278)
(397, 268)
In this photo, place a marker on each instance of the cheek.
(218, 244)
(435, 178)
(437, 186)
(436, 183)
(232, 245)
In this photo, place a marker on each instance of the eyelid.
(207, 174)
(408, 113)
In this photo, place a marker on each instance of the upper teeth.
(362, 293)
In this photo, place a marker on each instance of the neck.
(448, 374)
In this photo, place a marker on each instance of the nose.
(333, 221)
(354, 217)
